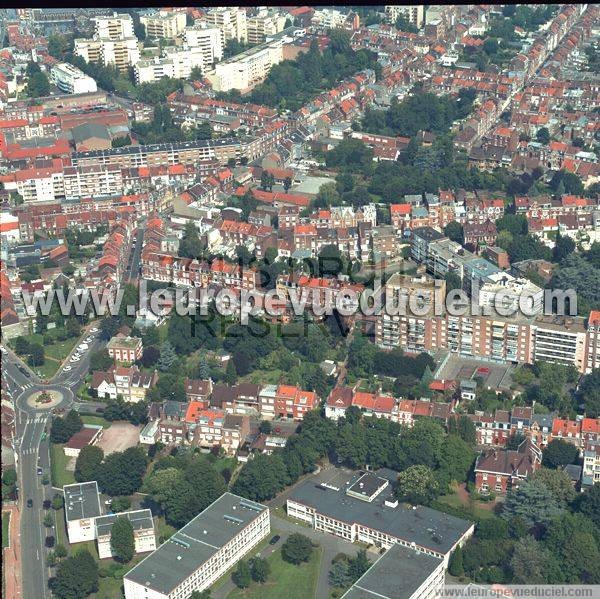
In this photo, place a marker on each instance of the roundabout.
(44, 398)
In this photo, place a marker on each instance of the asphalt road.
(31, 452)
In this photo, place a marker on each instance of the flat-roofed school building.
(201, 552)
(364, 509)
(400, 573)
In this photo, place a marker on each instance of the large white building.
(143, 531)
(71, 80)
(86, 522)
(168, 25)
(413, 13)
(82, 507)
(231, 21)
(208, 39)
(201, 552)
(114, 42)
(504, 291)
(120, 53)
(365, 510)
(262, 26)
(113, 27)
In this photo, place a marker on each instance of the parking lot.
(80, 350)
(494, 376)
(119, 437)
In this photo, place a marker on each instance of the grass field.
(55, 352)
(478, 512)
(285, 580)
(58, 462)
(95, 420)
(5, 525)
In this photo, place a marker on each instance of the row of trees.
(356, 442)
(546, 534)
(118, 474)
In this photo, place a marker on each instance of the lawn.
(474, 508)
(264, 377)
(285, 580)
(58, 461)
(95, 420)
(55, 352)
(5, 525)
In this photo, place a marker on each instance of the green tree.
(100, 360)
(589, 393)
(230, 373)
(242, 576)
(559, 453)
(190, 245)
(564, 247)
(454, 231)
(76, 576)
(122, 543)
(287, 183)
(543, 136)
(260, 569)
(36, 355)
(168, 357)
(588, 503)
(88, 463)
(456, 567)
(297, 549)
(559, 483)
(533, 502)
(122, 472)
(358, 565)
(38, 85)
(338, 575)
(529, 562)
(48, 520)
(417, 484)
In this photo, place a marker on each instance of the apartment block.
(232, 21)
(121, 53)
(71, 80)
(247, 69)
(114, 27)
(260, 27)
(413, 13)
(201, 552)
(163, 24)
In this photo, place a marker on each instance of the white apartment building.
(231, 21)
(560, 340)
(39, 185)
(82, 507)
(143, 531)
(504, 291)
(93, 181)
(413, 13)
(209, 40)
(329, 18)
(71, 80)
(248, 69)
(168, 25)
(114, 27)
(121, 53)
(263, 26)
(591, 467)
(201, 552)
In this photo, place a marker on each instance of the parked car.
(30, 503)
(274, 540)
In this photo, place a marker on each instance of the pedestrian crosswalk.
(29, 451)
(38, 419)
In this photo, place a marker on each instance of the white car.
(67, 368)
(93, 330)
(2, 349)
(89, 339)
(75, 358)
(82, 347)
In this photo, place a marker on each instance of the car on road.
(30, 503)
(39, 471)
(2, 349)
(23, 371)
(274, 540)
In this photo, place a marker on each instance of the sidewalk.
(11, 555)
